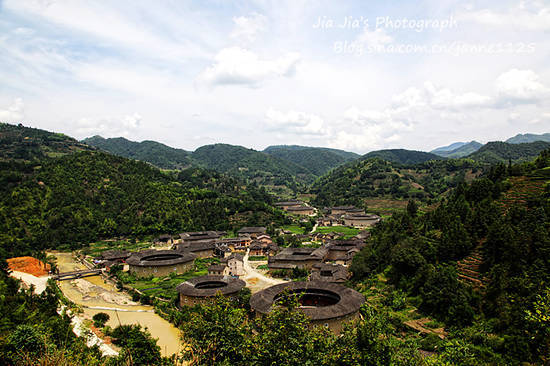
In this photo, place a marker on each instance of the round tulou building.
(160, 263)
(324, 303)
(204, 288)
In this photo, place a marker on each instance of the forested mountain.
(355, 181)
(528, 137)
(253, 165)
(450, 147)
(464, 150)
(402, 156)
(238, 161)
(498, 152)
(158, 154)
(317, 160)
(25, 143)
(478, 263)
(85, 196)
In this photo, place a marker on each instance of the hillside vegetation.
(317, 160)
(357, 181)
(26, 144)
(86, 196)
(499, 316)
(160, 155)
(528, 137)
(499, 152)
(237, 161)
(402, 156)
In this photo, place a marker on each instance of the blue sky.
(411, 75)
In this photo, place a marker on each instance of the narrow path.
(254, 279)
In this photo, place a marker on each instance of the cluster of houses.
(348, 216)
(296, 207)
(191, 245)
(328, 262)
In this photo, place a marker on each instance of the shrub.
(100, 319)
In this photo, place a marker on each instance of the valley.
(424, 243)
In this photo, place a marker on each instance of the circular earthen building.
(204, 288)
(324, 303)
(160, 263)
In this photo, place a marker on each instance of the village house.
(334, 273)
(202, 249)
(285, 205)
(337, 251)
(342, 210)
(234, 265)
(361, 220)
(265, 239)
(216, 269)
(326, 221)
(240, 243)
(340, 250)
(290, 258)
(164, 239)
(221, 250)
(258, 248)
(194, 236)
(253, 231)
(301, 210)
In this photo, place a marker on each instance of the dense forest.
(90, 195)
(499, 310)
(502, 152)
(317, 160)
(160, 155)
(353, 182)
(402, 156)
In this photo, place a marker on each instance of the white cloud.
(106, 22)
(14, 113)
(533, 16)
(247, 28)
(108, 126)
(295, 122)
(520, 86)
(238, 66)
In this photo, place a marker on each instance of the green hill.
(317, 160)
(402, 156)
(502, 152)
(252, 165)
(240, 162)
(85, 196)
(528, 137)
(464, 150)
(357, 181)
(26, 143)
(158, 154)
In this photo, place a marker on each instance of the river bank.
(96, 295)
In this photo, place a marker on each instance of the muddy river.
(95, 295)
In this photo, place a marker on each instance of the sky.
(354, 75)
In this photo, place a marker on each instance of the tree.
(216, 334)
(412, 208)
(100, 319)
(138, 347)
